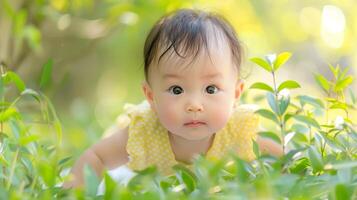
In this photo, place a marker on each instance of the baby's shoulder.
(243, 123)
(133, 112)
(244, 113)
(245, 110)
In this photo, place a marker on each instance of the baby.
(192, 85)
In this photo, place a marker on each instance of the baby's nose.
(194, 108)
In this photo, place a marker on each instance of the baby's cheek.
(168, 117)
(220, 117)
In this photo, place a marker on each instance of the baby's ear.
(148, 93)
(239, 88)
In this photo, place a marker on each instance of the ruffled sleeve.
(134, 118)
(243, 129)
(131, 111)
(148, 143)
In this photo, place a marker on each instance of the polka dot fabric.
(148, 142)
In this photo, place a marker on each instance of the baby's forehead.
(212, 42)
(204, 66)
(216, 54)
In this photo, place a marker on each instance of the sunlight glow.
(333, 26)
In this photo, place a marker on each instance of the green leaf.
(91, 181)
(33, 36)
(184, 175)
(56, 122)
(166, 184)
(290, 84)
(33, 93)
(261, 86)
(299, 166)
(342, 192)
(341, 85)
(339, 105)
(256, 149)
(286, 182)
(242, 169)
(11, 77)
(24, 140)
(301, 139)
(287, 116)
(300, 128)
(16, 130)
(345, 175)
(3, 161)
(19, 22)
(262, 63)
(271, 135)
(110, 186)
(272, 103)
(290, 155)
(307, 120)
(315, 159)
(342, 75)
(334, 144)
(46, 73)
(310, 100)
(288, 137)
(283, 104)
(9, 10)
(47, 172)
(341, 165)
(7, 114)
(267, 114)
(334, 71)
(281, 59)
(322, 82)
(64, 160)
(143, 177)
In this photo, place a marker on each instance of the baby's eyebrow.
(167, 76)
(207, 76)
(214, 75)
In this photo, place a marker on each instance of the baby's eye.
(176, 90)
(211, 89)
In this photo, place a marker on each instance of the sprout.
(270, 58)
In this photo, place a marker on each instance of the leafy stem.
(279, 114)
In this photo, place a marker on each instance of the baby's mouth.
(194, 123)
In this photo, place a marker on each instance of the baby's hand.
(268, 146)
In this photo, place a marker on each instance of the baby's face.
(194, 101)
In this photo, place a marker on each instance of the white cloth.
(121, 175)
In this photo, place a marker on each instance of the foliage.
(30, 161)
(319, 161)
(320, 151)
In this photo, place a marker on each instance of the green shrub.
(319, 161)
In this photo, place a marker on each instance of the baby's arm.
(268, 146)
(107, 154)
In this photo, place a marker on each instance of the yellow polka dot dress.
(148, 141)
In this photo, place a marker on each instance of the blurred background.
(96, 49)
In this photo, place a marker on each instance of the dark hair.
(186, 30)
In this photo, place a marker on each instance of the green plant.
(29, 142)
(319, 161)
(320, 151)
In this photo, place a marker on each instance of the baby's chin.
(194, 135)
